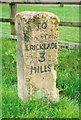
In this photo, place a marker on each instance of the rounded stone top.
(26, 15)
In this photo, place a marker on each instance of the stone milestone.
(37, 50)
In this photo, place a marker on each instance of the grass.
(67, 82)
(41, 108)
(69, 34)
(67, 71)
(66, 13)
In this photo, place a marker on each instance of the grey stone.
(37, 51)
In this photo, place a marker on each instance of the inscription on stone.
(37, 49)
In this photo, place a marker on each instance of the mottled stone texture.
(37, 48)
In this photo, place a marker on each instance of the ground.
(67, 73)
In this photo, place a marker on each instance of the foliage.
(67, 82)
(68, 72)
(9, 62)
(13, 107)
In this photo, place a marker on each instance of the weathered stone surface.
(37, 48)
